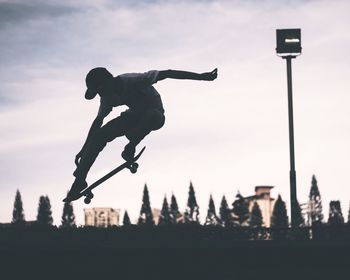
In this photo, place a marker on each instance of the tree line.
(239, 215)
(44, 214)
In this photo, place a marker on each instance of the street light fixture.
(288, 42)
(289, 47)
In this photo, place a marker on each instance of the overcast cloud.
(225, 135)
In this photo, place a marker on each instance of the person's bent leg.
(150, 120)
(107, 133)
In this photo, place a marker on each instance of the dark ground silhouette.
(172, 252)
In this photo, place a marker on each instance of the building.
(156, 215)
(265, 201)
(101, 217)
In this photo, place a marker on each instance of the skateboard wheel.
(87, 200)
(133, 168)
(90, 195)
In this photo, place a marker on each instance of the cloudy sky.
(224, 136)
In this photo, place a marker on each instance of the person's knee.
(155, 119)
(151, 120)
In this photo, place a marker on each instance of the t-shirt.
(137, 93)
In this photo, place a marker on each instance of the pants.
(134, 125)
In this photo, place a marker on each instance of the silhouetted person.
(145, 113)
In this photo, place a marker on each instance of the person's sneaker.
(129, 152)
(77, 186)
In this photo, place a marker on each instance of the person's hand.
(78, 157)
(210, 76)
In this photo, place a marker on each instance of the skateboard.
(87, 192)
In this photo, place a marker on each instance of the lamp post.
(289, 47)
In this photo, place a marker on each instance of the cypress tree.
(225, 213)
(192, 209)
(165, 218)
(256, 219)
(335, 214)
(174, 210)
(146, 216)
(212, 219)
(18, 213)
(300, 221)
(240, 210)
(279, 214)
(126, 219)
(68, 217)
(44, 216)
(315, 204)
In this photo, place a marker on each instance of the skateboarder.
(145, 113)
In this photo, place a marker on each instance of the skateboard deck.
(87, 192)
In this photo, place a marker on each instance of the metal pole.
(292, 173)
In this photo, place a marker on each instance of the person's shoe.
(77, 186)
(129, 152)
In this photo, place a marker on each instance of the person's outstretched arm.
(177, 74)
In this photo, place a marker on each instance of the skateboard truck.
(89, 195)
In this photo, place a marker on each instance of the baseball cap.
(94, 79)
